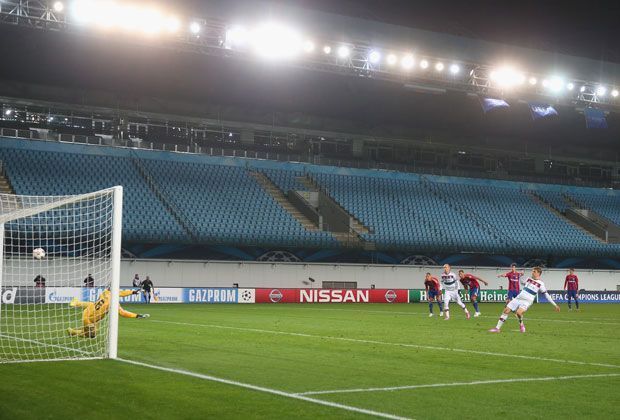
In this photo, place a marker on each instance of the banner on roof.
(595, 118)
(489, 104)
(541, 110)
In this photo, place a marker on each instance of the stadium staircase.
(278, 195)
(176, 213)
(312, 185)
(5, 184)
(555, 207)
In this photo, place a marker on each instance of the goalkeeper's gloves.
(135, 292)
(143, 316)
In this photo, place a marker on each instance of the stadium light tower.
(507, 77)
(343, 51)
(407, 62)
(276, 41)
(392, 59)
(374, 57)
(194, 28)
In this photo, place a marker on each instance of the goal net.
(56, 250)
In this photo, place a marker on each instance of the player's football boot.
(441, 313)
(430, 315)
(522, 328)
(494, 330)
(467, 315)
(477, 314)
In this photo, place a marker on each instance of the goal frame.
(115, 261)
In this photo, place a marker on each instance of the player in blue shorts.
(514, 282)
(471, 283)
(433, 292)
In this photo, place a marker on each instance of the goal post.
(55, 250)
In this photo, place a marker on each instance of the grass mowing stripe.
(27, 340)
(266, 390)
(385, 343)
(442, 385)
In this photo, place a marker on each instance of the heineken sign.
(486, 295)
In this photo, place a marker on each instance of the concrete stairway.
(356, 224)
(559, 214)
(278, 195)
(5, 185)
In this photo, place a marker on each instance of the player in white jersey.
(533, 285)
(450, 283)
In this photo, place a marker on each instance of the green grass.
(341, 347)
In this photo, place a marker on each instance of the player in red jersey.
(571, 285)
(470, 282)
(433, 293)
(514, 281)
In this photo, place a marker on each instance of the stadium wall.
(293, 275)
(179, 273)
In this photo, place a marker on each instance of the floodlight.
(152, 22)
(533, 81)
(236, 36)
(601, 91)
(570, 86)
(507, 77)
(614, 93)
(374, 56)
(556, 84)
(407, 62)
(309, 46)
(194, 28)
(276, 41)
(582, 89)
(392, 59)
(454, 68)
(439, 66)
(172, 24)
(59, 6)
(343, 51)
(327, 49)
(424, 64)
(8, 112)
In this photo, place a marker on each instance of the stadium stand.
(186, 198)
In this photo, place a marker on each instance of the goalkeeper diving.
(95, 312)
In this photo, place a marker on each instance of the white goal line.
(387, 343)
(264, 390)
(442, 385)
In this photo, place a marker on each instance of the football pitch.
(334, 361)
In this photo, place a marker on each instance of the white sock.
(502, 318)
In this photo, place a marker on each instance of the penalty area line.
(443, 385)
(263, 389)
(387, 343)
